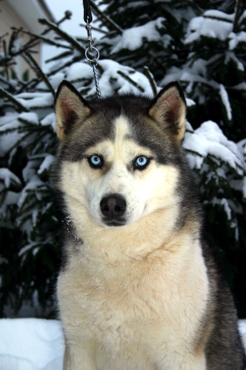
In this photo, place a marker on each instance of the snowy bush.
(142, 48)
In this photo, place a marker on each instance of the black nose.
(113, 206)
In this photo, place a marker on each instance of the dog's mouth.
(114, 222)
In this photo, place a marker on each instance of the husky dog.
(139, 288)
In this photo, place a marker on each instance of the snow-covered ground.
(35, 344)
(31, 344)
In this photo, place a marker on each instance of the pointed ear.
(70, 108)
(168, 109)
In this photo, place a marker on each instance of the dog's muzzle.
(113, 208)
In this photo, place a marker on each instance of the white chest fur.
(139, 313)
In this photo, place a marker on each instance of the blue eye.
(95, 161)
(141, 162)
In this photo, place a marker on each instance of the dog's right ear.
(70, 108)
(168, 109)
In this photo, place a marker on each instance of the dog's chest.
(138, 302)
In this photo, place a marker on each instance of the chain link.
(96, 81)
(92, 55)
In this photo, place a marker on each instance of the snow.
(42, 101)
(226, 102)
(217, 14)
(10, 123)
(242, 149)
(10, 199)
(33, 184)
(213, 23)
(37, 344)
(49, 159)
(32, 246)
(30, 170)
(189, 102)
(29, 117)
(132, 38)
(224, 203)
(54, 81)
(242, 330)
(231, 56)
(8, 117)
(244, 187)
(209, 139)
(191, 75)
(9, 126)
(7, 176)
(242, 17)
(49, 120)
(235, 39)
(79, 71)
(113, 79)
(31, 344)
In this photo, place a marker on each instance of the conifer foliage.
(143, 46)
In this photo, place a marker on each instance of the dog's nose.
(113, 206)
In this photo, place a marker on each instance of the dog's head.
(119, 157)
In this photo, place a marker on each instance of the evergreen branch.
(11, 98)
(4, 35)
(63, 34)
(219, 162)
(67, 15)
(12, 39)
(32, 147)
(36, 80)
(26, 122)
(8, 131)
(34, 65)
(6, 58)
(36, 37)
(130, 80)
(59, 56)
(5, 81)
(29, 248)
(74, 60)
(32, 127)
(3, 195)
(217, 18)
(31, 201)
(193, 152)
(150, 77)
(29, 85)
(48, 41)
(95, 29)
(108, 20)
(238, 12)
(32, 43)
(16, 144)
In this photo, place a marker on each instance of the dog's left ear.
(70, 109)
(168, 109)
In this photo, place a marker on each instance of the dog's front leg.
(78, 358)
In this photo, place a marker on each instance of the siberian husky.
(139, 288)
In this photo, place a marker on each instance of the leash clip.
(88, 29)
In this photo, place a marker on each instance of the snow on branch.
(8, 177)
(213, 23)
(63, 35)
(19, 106)
(225, 101)
(207, 140)
(132, 38)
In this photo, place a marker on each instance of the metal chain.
(94, 55)
(99, 96)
